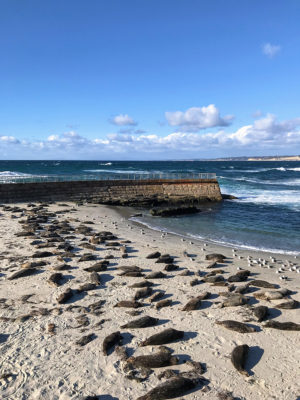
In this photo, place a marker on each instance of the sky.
(149, 79)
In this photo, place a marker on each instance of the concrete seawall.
(115, 192)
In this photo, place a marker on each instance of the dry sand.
(51, 366)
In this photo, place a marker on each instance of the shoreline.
(52, 367)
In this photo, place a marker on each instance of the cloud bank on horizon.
(267, 132)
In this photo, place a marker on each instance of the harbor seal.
(166, 336)
(111, 340)
(142, 322)
(236, 326)
(238, 358)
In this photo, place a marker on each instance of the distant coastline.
(262, 158)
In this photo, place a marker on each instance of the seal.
(110, 341)
(163, 303)
(262, 284)
(141, 293)
(65, 296)
(288, 305)
(142, 284)
(142, 322)
(236, 326)
(95, 278)
(22, 273)
(86, 287)
(85, 339)
(192, 305)
(156, 275)
(260, 312)
(238, 358)
(157, 295)
(285, 326)
(171, 388)
(157, 360)
(128, 304)
(166, 336)
(55, 279)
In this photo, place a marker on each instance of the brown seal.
(285, 326)
(142, 322)
(238, 358)
(110, 341)
(236, 326)
(128, 304)
(157, 360)
(166, 336)
(260, 312)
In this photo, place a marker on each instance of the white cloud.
(270, 50)
(197, 118)
(9, 139)
(265, 133)
(123, 119)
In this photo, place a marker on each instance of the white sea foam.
(13, 174)
(118, 171)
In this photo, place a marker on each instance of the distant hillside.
(263, 158)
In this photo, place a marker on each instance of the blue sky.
(148, 79)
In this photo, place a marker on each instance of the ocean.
(266, 215)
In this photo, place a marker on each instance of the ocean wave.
(108, 163)
(13, 174)
(212, 240)
(287, 182)
(118, 171)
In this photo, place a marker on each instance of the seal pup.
(110, 341)
(162, 358)
(238, 358)
(285, 326)
(166, 336)
(236, 326)
(22, 273)
(143, 322)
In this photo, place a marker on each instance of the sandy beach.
(40, 356)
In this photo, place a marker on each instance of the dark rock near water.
(172, 211)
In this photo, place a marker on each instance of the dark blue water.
(266, 216)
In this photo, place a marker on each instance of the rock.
(173, 211)
(228, 197)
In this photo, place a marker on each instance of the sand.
(51, 366)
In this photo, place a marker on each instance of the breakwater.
(115, 192)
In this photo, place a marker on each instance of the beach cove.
(43, 355)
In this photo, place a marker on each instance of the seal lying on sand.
(110, 341)
(285, 326)
(166, 336)
(143, 322)
(157, 360)
(238, 358)
(174, 387)
(236, 326)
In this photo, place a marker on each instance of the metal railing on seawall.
(105, 177)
